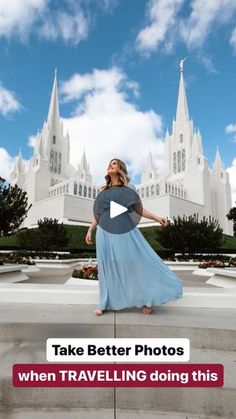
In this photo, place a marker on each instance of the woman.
(130, 272)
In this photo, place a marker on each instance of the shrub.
(188, 235)
(49, 236)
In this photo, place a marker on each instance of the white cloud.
(204, 14)
(232, 178)
(168, 24)
(18, 16)
(8, 102)
(230, 128)
(233, 39)
(71, 27)
(162, 15)
(108, 124)
(6, 163)
(31, 141)
(64, 20)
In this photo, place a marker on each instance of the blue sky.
(118, 74)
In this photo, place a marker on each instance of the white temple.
(184, 186)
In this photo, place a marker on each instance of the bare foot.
(98, 312)
(147, 310)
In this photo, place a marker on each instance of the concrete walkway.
(25, 327)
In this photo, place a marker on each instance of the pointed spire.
(218, 164)
(53, 113)
(19, 164)
(150, 164)
(182, 105)
(83, 163)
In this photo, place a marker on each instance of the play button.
(118, 209)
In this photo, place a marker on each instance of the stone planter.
(182, 266)
(82, 282)
(53, 267)
(12, 273)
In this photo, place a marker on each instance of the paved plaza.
(25, 327)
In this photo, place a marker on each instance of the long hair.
(123, 177)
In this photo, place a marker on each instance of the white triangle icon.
(116, 209)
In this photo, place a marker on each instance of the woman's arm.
(92, 227)
(147, 214)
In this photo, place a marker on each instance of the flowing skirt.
(131, 274)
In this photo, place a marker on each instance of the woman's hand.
(162, 221)
(88, 237)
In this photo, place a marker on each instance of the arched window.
(150, 176)
(75, 188)
(147, 192)
(59, 163)
(179, 161)
(183, 159)
(55, 162)
(157, 189)
(94, 193)
(181, 138)
(142, 193)
(166, 190)
(152, 190)
(172, 189)
(80, 190)
(51, 161)
(67, 188)
(174, 163)
(85, 191)
(89, 192)
(54, 139)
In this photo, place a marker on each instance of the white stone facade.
(186, 185)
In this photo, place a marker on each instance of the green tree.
(13, 207)
(232, 216)
(189, 235)
(50, 235)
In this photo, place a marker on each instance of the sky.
(118, 73)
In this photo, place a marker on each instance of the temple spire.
(182, 113)
(218, 164)
(84, 163)
(53, 113)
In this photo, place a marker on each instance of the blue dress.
(130, 273)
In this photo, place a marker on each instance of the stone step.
(22, 323)
(212, 297)
(96, 414)
(24, 328)
(205, 338)
(219, 402)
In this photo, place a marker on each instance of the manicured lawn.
(77, 238)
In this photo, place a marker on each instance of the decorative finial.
(181, 64)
